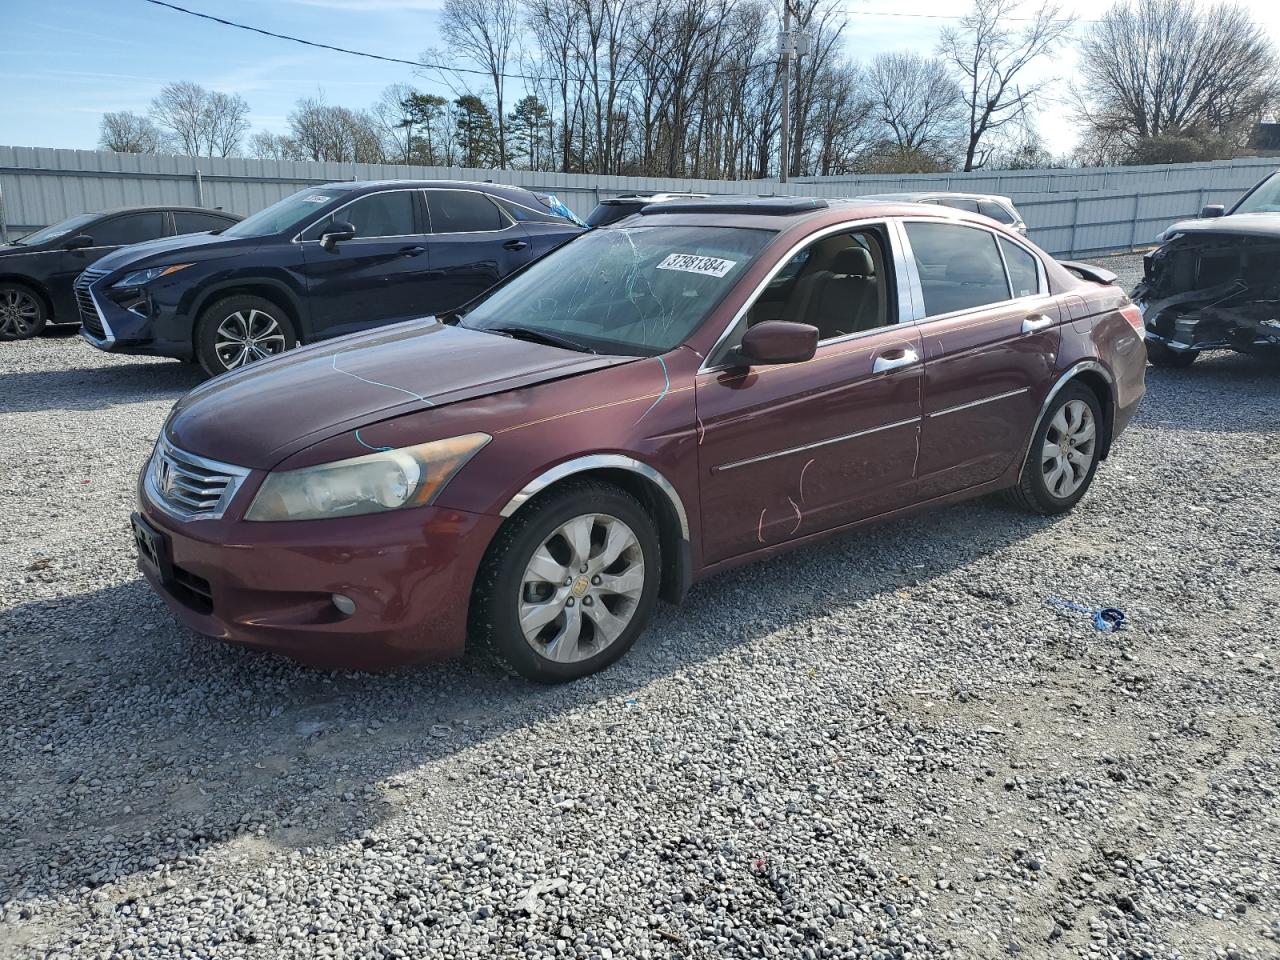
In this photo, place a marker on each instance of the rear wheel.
(22, 312)
(569, 582)
(240, 330)
(1162, 356)
(1064, 453)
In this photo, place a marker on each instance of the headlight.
(375, 483)
(139, 277)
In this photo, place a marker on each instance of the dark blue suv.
(328, 260)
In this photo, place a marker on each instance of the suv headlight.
(374, 483)
(140, 277)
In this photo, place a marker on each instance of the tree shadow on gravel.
(96, 388)
(1221, 392)
(134, 743)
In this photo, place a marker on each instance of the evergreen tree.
(475, 132)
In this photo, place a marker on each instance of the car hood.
(7, 249)
(1236, 224)
(166, 249)
(258, 416)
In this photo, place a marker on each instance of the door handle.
(902, 357)
(1036, 322)
(515, 244)
(413, 251)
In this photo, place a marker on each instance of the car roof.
(783, 213)
(485, 187)
(922, 194)
(161, 207)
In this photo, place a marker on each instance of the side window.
(1023, 274)
(996, 211)
(840, 284)
(969, 206)
(463, 211)
(388, 214)
(960, 267)
(185, 222)
(131, 228)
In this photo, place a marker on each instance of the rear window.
(969, 206)
(995, 211)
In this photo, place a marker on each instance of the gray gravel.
(887, 746)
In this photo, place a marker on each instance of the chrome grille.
(90, 319)
(191, 487)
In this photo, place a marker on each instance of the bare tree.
(991, 54)
(323, 132)
(1155, 70)
(200, 122)
(127, 132)
(265, 145)
(917, 104)
(484, 31)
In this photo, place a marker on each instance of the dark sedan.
(329, 260)
(37, 271)
(699, 386)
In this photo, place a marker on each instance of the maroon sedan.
(701, 385)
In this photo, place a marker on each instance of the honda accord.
(703, 384)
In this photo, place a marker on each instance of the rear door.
(990, 334)
(790, 450)
(474, 244)
(380, 276)
(108, 234)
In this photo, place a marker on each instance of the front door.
(108, 235)
(790, 450)
(990, 334)
(474, 244)
(380, 276)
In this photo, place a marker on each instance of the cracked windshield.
(632, 290)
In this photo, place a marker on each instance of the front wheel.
(1064, 453)
(569, 582)
(240, 330)
(22, 312)
(1161, 356)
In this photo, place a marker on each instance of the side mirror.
(777, 341)
(338, 231)
(78, 242)
(1212, 210)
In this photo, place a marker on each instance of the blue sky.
(65, 62)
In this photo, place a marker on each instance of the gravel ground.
(887, 746)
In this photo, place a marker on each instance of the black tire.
(23, 313)
(1032, 492)
(1161, 356)
(259, 314)
(498, 591)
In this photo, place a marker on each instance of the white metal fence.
(1068, 212)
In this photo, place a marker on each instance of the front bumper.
(110, 326)
(270, 585)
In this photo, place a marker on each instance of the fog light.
(346, 606)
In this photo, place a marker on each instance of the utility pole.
(786, 90)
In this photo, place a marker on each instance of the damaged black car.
(1214, 283)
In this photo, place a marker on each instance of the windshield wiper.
(541, 336)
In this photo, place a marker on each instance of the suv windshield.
(280, 216)
(635, 290)
(59, 229)
(1264, 199)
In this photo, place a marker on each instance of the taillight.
(1131, 313)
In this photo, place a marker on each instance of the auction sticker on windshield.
(693, 263)
(316, 198)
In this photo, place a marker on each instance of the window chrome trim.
(813, 446)
(598, 461)
(904, 297)
(978, 403)
(297, 237)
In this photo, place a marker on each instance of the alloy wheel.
(19, 312)
(243, 339)
(1069, 448)
(581, 588)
